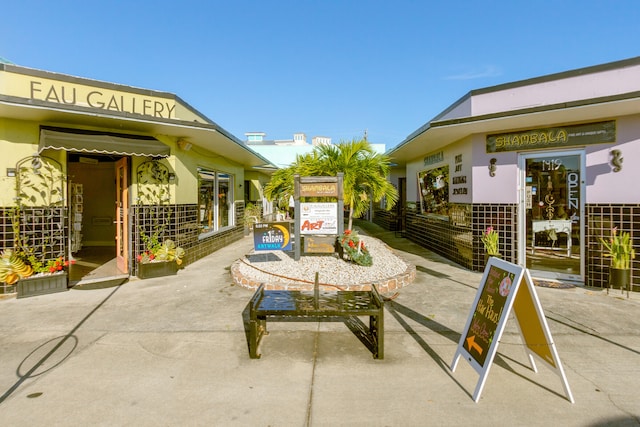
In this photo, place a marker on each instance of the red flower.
(351, 244)
(347, 232)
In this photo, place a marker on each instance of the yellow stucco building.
(94, 167)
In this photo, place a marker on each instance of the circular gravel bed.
(278, 270)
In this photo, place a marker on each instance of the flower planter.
(157, 269)
(7, 289)
(42, 285)
(487, 256)
(619, 278)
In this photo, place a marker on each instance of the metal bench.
(310, 305)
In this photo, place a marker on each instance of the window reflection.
(215, 199)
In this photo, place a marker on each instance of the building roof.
(190, 125)
(597, 92)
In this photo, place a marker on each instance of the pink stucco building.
(552, 163)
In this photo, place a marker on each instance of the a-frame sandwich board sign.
(506, 286)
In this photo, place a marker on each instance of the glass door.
(224, 199)
(552, 214)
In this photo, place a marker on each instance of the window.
(215, 200)
(434, 190)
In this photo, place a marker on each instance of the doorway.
(98, 236)
(552, 214)
(401, 210)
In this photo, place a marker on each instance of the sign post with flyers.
(506, 286)
(323, 221)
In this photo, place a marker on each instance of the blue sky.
(330, 68)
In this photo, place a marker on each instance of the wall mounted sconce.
(11, 171)
(172, 177)
(36, 164)
(616, 160)
(492, 167)
(184, 144)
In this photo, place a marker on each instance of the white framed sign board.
(505, 287)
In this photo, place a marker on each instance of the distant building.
(299, 138)
(320, 140)
(283, 152)
(254, 137)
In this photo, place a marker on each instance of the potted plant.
(35, 264)
(13, 267)
(32, 276)
(160, 259)
(355, 249)
(35, 267)
(490, 240)
(620, 249)
(252, 215)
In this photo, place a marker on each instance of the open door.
(122, 214)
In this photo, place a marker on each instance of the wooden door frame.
(122, 214)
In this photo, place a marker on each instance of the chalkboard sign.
(505, 286)
(487, 313)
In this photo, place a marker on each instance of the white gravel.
(262, 266)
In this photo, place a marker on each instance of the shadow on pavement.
(38, 363)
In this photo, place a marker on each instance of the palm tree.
(281, 187)
(365, 175)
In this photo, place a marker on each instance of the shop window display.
(214, 200)
(434, 190)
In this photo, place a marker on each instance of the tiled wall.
(460, 241)
(458, 237)
(180, 223)
(46, 228)
(600, 220)
(43, 228)
(503, 218)
(438, 234)
(386, 219)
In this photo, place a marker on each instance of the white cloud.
(487, 71)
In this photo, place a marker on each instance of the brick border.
(385, 285)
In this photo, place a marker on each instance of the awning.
(123, 145)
